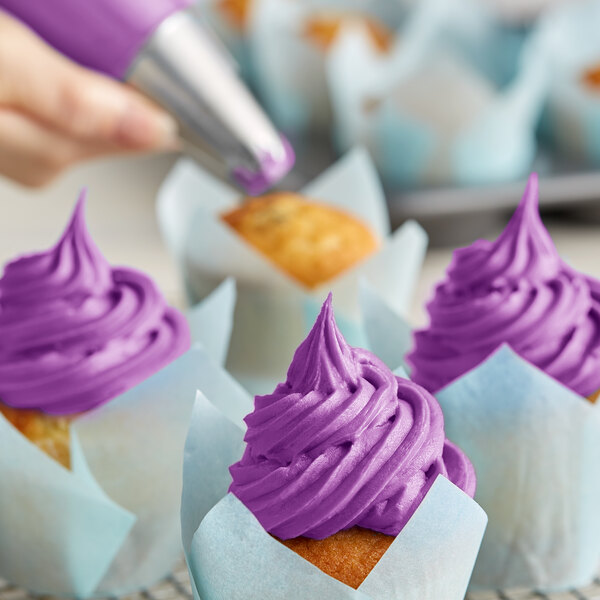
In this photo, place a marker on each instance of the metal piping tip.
(222, 125)
(272, 169)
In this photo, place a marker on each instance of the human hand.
(54, 113)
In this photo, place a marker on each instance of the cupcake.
(286, 252)
(511, 348)
(517, 291)
(493, 81)
(345, 481)
(322, 29)
(290, 44)
(340, 456)
(75, 333)
(96, 376)
(572, 119)
(235, 11)
(311, 242)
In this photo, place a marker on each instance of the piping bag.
(162, 48)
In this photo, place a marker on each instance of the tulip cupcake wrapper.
(574, 109)
(230, 555)
(271, 308)
(535, 446)
(395, 110)
(111, 523)
(290, 69)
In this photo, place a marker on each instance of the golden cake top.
(323, 29)
(311, 242)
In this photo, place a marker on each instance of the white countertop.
(121, 217)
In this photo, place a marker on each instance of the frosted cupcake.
(341, 455)
(76, 333)
(516, 291)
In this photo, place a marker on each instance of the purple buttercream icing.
(514, 291)
(342, 443)
(75, 332)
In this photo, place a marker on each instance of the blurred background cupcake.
(96, 371)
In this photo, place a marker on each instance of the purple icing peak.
(323, 360)
(342, 442)
(73, 266)
(75, 332)
(271, 171)
(514, 291)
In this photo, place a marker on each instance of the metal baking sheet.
(177, 587)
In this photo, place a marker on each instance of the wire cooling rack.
(177, 587)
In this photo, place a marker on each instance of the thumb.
(73, 100)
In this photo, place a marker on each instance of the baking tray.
(177, 587)
(454, 215)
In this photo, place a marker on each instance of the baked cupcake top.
(310, 241)
(75, 332)
(323, 28)
(517, 291)
(342, 443)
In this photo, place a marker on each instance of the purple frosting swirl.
(343, 442)
(74, 332)
(514, 291)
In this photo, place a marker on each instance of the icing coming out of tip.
(342, 443)
(76, 332)
(516, 291)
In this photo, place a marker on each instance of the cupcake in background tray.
(573, 115)
(97, 381)
(456, 103)
(345, 464)
(290, 43)
(512, 352)
(286, 252)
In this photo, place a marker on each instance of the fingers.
(33, 154)
(39, 82)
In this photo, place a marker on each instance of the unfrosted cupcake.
(75, 333)
(311, 242)
(516, 291)
(339, 457)
(323, 28)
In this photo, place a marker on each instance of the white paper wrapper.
(271, 311)
(456, 102)
(290, 68)
(231, 556)
(535, 446)
(571, 34)
(111, 523)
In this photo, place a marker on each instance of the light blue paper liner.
(535, 446)
(573, 117)
(230, 555)
(270, 318)
(496, 145)
(111, 523)
(290, 70)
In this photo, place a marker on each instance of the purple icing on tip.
(75, 332)
(104, 35)
(342, 443)
(271, 171)
(514, 291)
